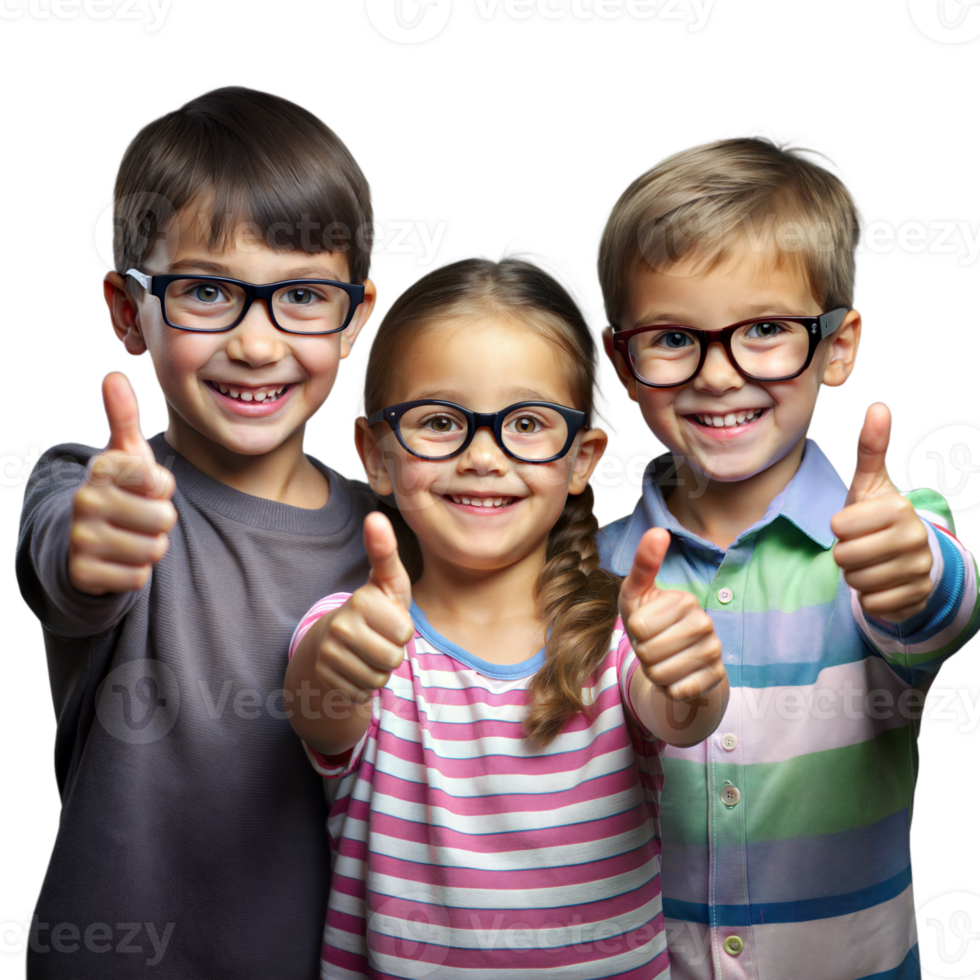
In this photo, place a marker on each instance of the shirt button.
(730, 795)
(728, 742)
(725, 596)
(733, 945)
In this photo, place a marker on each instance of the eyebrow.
(219, 269)
(514, 395)
(752, 313)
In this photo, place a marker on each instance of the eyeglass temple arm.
(142, 279)
(829, 322)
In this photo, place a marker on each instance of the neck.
(722, 511)
(491, 613)
(284, 474)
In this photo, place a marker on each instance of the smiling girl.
(492, 752)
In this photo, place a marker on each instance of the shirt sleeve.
(626, 663)
(42, 551)
(329, 766)
(917, 648)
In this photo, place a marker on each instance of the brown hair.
(576, 598)
(243, 155)
(706, 200)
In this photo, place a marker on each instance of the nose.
(255, 340)
(483, 456)
(718, 374)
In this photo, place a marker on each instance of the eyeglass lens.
(763, 349)
(204, 304)
(529, 432)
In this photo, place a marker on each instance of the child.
(786, 835)
(494, 793)
(168, 574)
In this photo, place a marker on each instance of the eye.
(205, 292)
(672, 340)
(525, 425)
(302, 296)
(765, 330)
(441, 424)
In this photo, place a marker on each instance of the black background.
(495, 127)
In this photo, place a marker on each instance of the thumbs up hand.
(363, 641)
(122, 513)
(882, 545)
(672, 636)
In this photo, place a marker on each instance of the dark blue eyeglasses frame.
(392, 414)
(157, 285)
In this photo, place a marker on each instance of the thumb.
(387, 570)
(870, 476)
(124, 416)
(638, 585)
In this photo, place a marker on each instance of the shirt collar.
(809, 501)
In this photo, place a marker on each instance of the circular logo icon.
(948, 460)
(949, 936)
(947, 21)
(138, 701)
(418, 929)
(408, 21)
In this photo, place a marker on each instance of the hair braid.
(580, 602)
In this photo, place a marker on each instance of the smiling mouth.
(243, 393)
(731, 420)
(489, 503)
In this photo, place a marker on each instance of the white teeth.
(260, 397)
(223, 389)
(729, 420)
(490, 502)
(246, 396)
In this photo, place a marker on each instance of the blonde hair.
(705, 202)
(575, 598)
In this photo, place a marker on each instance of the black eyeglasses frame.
(392, 414)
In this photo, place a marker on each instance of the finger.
(94, 576)
(891, 574)
(874, 514)
(350, 668)
(97, 539)
(641, 581)
(870, 475)
(124, 510)
(349, 636)
(660, 612)
(133, 472)
(681, 639)
(334, 681)
(906, 544)
(124, 416)
(387, 570)
(382, 615)
(897, 604)
(697, 684)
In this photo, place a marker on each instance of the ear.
(843, 350)
(372, 457)
(122, 312)
(587, 455)
(361, 314)
(629, 382)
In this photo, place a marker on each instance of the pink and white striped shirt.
(460, 850)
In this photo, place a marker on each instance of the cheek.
(413, 477)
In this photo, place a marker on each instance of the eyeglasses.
(764, 349)
(212, 304)
(530, 432)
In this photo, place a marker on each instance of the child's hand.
(882, 543)
(363, 641)
(672, 636)
(122, 512)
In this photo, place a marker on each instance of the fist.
(122, 513)
(882, 545)
(363, 641)
(672, 636)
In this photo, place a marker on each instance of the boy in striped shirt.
(727, 273)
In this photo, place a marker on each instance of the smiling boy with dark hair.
(168, 575)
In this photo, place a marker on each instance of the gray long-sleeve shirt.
(192, 841)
